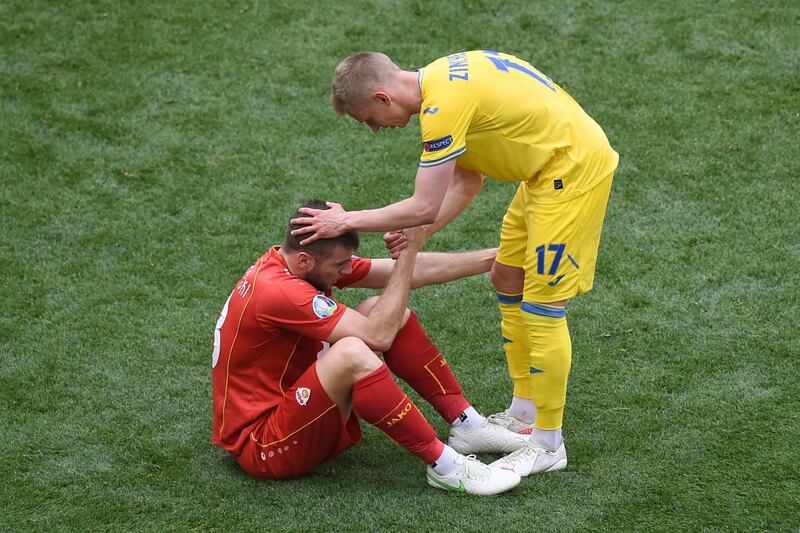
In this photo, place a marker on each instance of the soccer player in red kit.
(293, 370)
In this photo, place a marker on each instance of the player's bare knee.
(348, 346)
(356, 358)
(366, 306)
(507, 279)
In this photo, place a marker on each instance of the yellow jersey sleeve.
(444, 121)
(447, 111)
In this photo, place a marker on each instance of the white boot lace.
(525, 454)
(474, 469)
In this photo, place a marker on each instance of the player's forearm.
(387, 315)
(463, 187)
(453, 205)
(407, 213)
(433, 268)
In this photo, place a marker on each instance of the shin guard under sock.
(414, 359)
(378, 400)
(551, 358)
(515, 343)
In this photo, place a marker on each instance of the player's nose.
(375, 128)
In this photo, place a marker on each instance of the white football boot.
(473, 477)
(532, 459)
(486, 438)
(508, 421)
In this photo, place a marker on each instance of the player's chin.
(319, 283)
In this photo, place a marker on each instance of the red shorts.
(302, 432)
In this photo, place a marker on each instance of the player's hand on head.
(395, 242)
(320, 223)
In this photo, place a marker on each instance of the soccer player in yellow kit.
(490, 113)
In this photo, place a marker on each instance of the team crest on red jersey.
(302, 394)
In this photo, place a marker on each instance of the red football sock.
(378, 400)
(414, 359)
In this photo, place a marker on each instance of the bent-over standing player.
(294, 370)
(490, 113)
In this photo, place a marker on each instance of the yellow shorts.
(556, 244)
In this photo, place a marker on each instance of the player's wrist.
(344, 224)
(415, 245)
(409, 253)
(349, 221)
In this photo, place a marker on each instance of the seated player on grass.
(294, 371)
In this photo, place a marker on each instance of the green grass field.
(149, 152)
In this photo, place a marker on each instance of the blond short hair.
(358, 75)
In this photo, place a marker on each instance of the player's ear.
(381, 97)
(305, 261)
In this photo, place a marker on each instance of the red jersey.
(269, 332)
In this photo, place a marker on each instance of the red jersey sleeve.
(360, 268)
(298, 307)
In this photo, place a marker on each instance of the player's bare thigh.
(347, 361)
(511, 280)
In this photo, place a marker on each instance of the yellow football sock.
(550, 361)
(515, 343)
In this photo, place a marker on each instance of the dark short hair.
(320, 247)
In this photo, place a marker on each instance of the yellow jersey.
(503, 118)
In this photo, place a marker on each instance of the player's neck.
(291, 261)
(411, 95)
